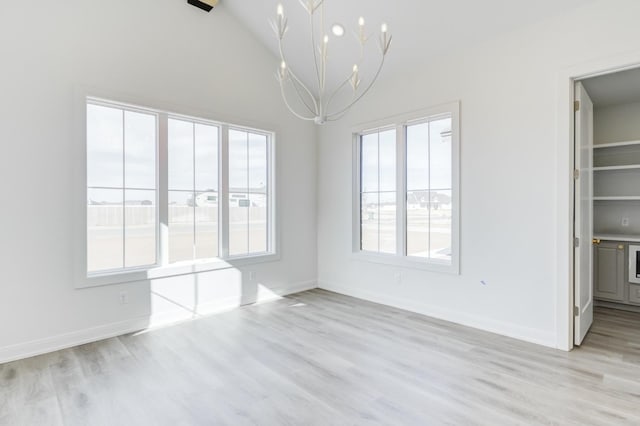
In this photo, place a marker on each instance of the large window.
(146, 209)
(407, 188)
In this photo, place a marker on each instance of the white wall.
(160, 53)
(510, 219)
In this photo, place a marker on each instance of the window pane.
(248, 193)
(180, 155)
(418, 223)
(104, 146)
(369, 222)
(181, 238)
(105, 247)
(369, 163)
(257, 193)
(140, 228)
(206, 157)
(238, 162)
(429, 183)
(238, 223)
(387, 162)
(206, 225)
(257, 163)
(441, 156)
(440, 232)
(418, 157)
(387, 227)
(140, 150)
(258, 231)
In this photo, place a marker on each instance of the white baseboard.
(68, 340)
(526, 334)
(93, 334)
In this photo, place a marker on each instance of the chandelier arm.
(286, 102)
(335, 92)
(295, 77)
(313, 49)
(338, 117)
(300, 95)
(331, 116)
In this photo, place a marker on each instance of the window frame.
(162, 268)
(400, 123)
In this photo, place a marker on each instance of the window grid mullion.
(429, 191)
(378, 152)
(360, 192)
(193, 191)
(124, 192)
(163, 190)
(401, 187)
(223, 213)
(248, 208)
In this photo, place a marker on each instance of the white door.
(583, 226)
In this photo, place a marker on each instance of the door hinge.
(576, 311)
(576, 106)
(576, 174)
(576, 242)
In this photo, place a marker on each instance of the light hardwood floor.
(321, 358)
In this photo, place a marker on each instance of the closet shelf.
(606, 168)
(618, 237)
(616, 144)
(622, 198)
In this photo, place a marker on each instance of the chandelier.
(318, 105)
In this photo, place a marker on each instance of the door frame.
(565, 190)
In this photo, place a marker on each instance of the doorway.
(606, 201)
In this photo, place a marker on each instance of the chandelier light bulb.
(361, 21)
(355, 69)
(326, 39)
(280, 9)
(337, 30)
(384, 28)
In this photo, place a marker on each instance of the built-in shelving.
(616, 191)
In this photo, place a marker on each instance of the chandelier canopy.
(317, 104)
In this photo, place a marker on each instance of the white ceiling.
(611, 89)
(421, 28)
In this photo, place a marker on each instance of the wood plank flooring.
(318, 358)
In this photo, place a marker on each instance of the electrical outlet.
(124, 298)
(625, 221)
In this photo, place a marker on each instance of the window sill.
(431, 265)
(186, 268)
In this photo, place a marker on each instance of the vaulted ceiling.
(422, 29)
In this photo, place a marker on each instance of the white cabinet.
(609, 280)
